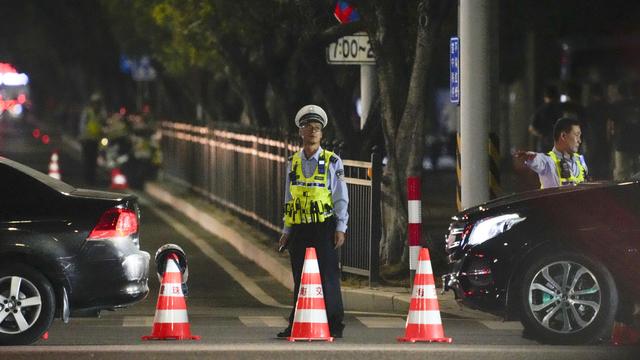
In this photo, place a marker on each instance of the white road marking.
(575, 352)
(264, 321)
(246, 282)
(378, 322)
(502, 325)
(137, 321)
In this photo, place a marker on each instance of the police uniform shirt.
(546, 169)
(335, 181)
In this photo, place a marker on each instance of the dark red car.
(565, 261)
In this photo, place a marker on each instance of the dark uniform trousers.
(321, 237)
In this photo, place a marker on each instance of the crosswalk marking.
(137, 321)
(502, 325)
(371, 322)
(264, 321)
(378, 322)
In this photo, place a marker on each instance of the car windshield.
(55, 184)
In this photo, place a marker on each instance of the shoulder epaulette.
(333, 158)
(290, 157)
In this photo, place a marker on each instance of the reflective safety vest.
(572, 179)
(93, 128)
(310, 197)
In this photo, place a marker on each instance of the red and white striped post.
(414, 227)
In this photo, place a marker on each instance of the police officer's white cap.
(311, 113)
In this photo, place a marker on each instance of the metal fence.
(245, 173)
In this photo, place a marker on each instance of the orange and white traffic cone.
(310, 318)
(54, 169)
(171, 321)
(624, 334)
(118, 180)
(424, 322)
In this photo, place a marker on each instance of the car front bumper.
(472, 281)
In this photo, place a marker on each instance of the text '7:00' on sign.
(353, 49)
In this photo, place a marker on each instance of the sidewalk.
(261, 249)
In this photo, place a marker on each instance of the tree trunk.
(403, 100)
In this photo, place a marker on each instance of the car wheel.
(27, 304)
(567, 298)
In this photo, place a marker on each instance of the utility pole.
(476, 87)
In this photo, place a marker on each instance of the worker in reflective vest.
(562, 165)
(92, 120)
(315, 213)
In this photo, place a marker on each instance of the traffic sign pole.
(367, 91)
(356, 50)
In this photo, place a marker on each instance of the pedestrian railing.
(245, 173)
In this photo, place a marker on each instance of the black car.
(565, 261)
(64, 251)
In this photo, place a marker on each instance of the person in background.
(92, 120)
(570, 106)
(546, 115)
(562, 165)
(598, 145)
(624, 125)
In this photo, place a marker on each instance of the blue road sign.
(454, 70)
(125, 64)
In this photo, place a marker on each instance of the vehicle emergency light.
(115, 222)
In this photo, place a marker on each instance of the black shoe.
(337, 332)
(285, 333)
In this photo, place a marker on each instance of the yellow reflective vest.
(93, 127)
(572, 179)
(310, 197)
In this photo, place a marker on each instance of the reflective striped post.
(414, 227)
(495, 188)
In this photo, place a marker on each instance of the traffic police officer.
(562, 165)
(315, 213)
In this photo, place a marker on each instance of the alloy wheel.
(564, 297)
(20, 304)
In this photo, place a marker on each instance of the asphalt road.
(226, 303)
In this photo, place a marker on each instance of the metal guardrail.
(245, 173)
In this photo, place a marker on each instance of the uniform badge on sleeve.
(340, 174)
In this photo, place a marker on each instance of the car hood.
(103, 195)
(513, 201)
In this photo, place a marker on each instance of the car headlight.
(491, 227)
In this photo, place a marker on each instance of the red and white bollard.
(414, 227)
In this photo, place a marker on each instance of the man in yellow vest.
(90, 133)
(562, 165)
(315, 213)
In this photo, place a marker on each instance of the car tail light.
(115, 222)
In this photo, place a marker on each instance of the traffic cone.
(118, 180)
(624, 334)
(310, 318)
(171, 321)
(54, 169)
(423, 321)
